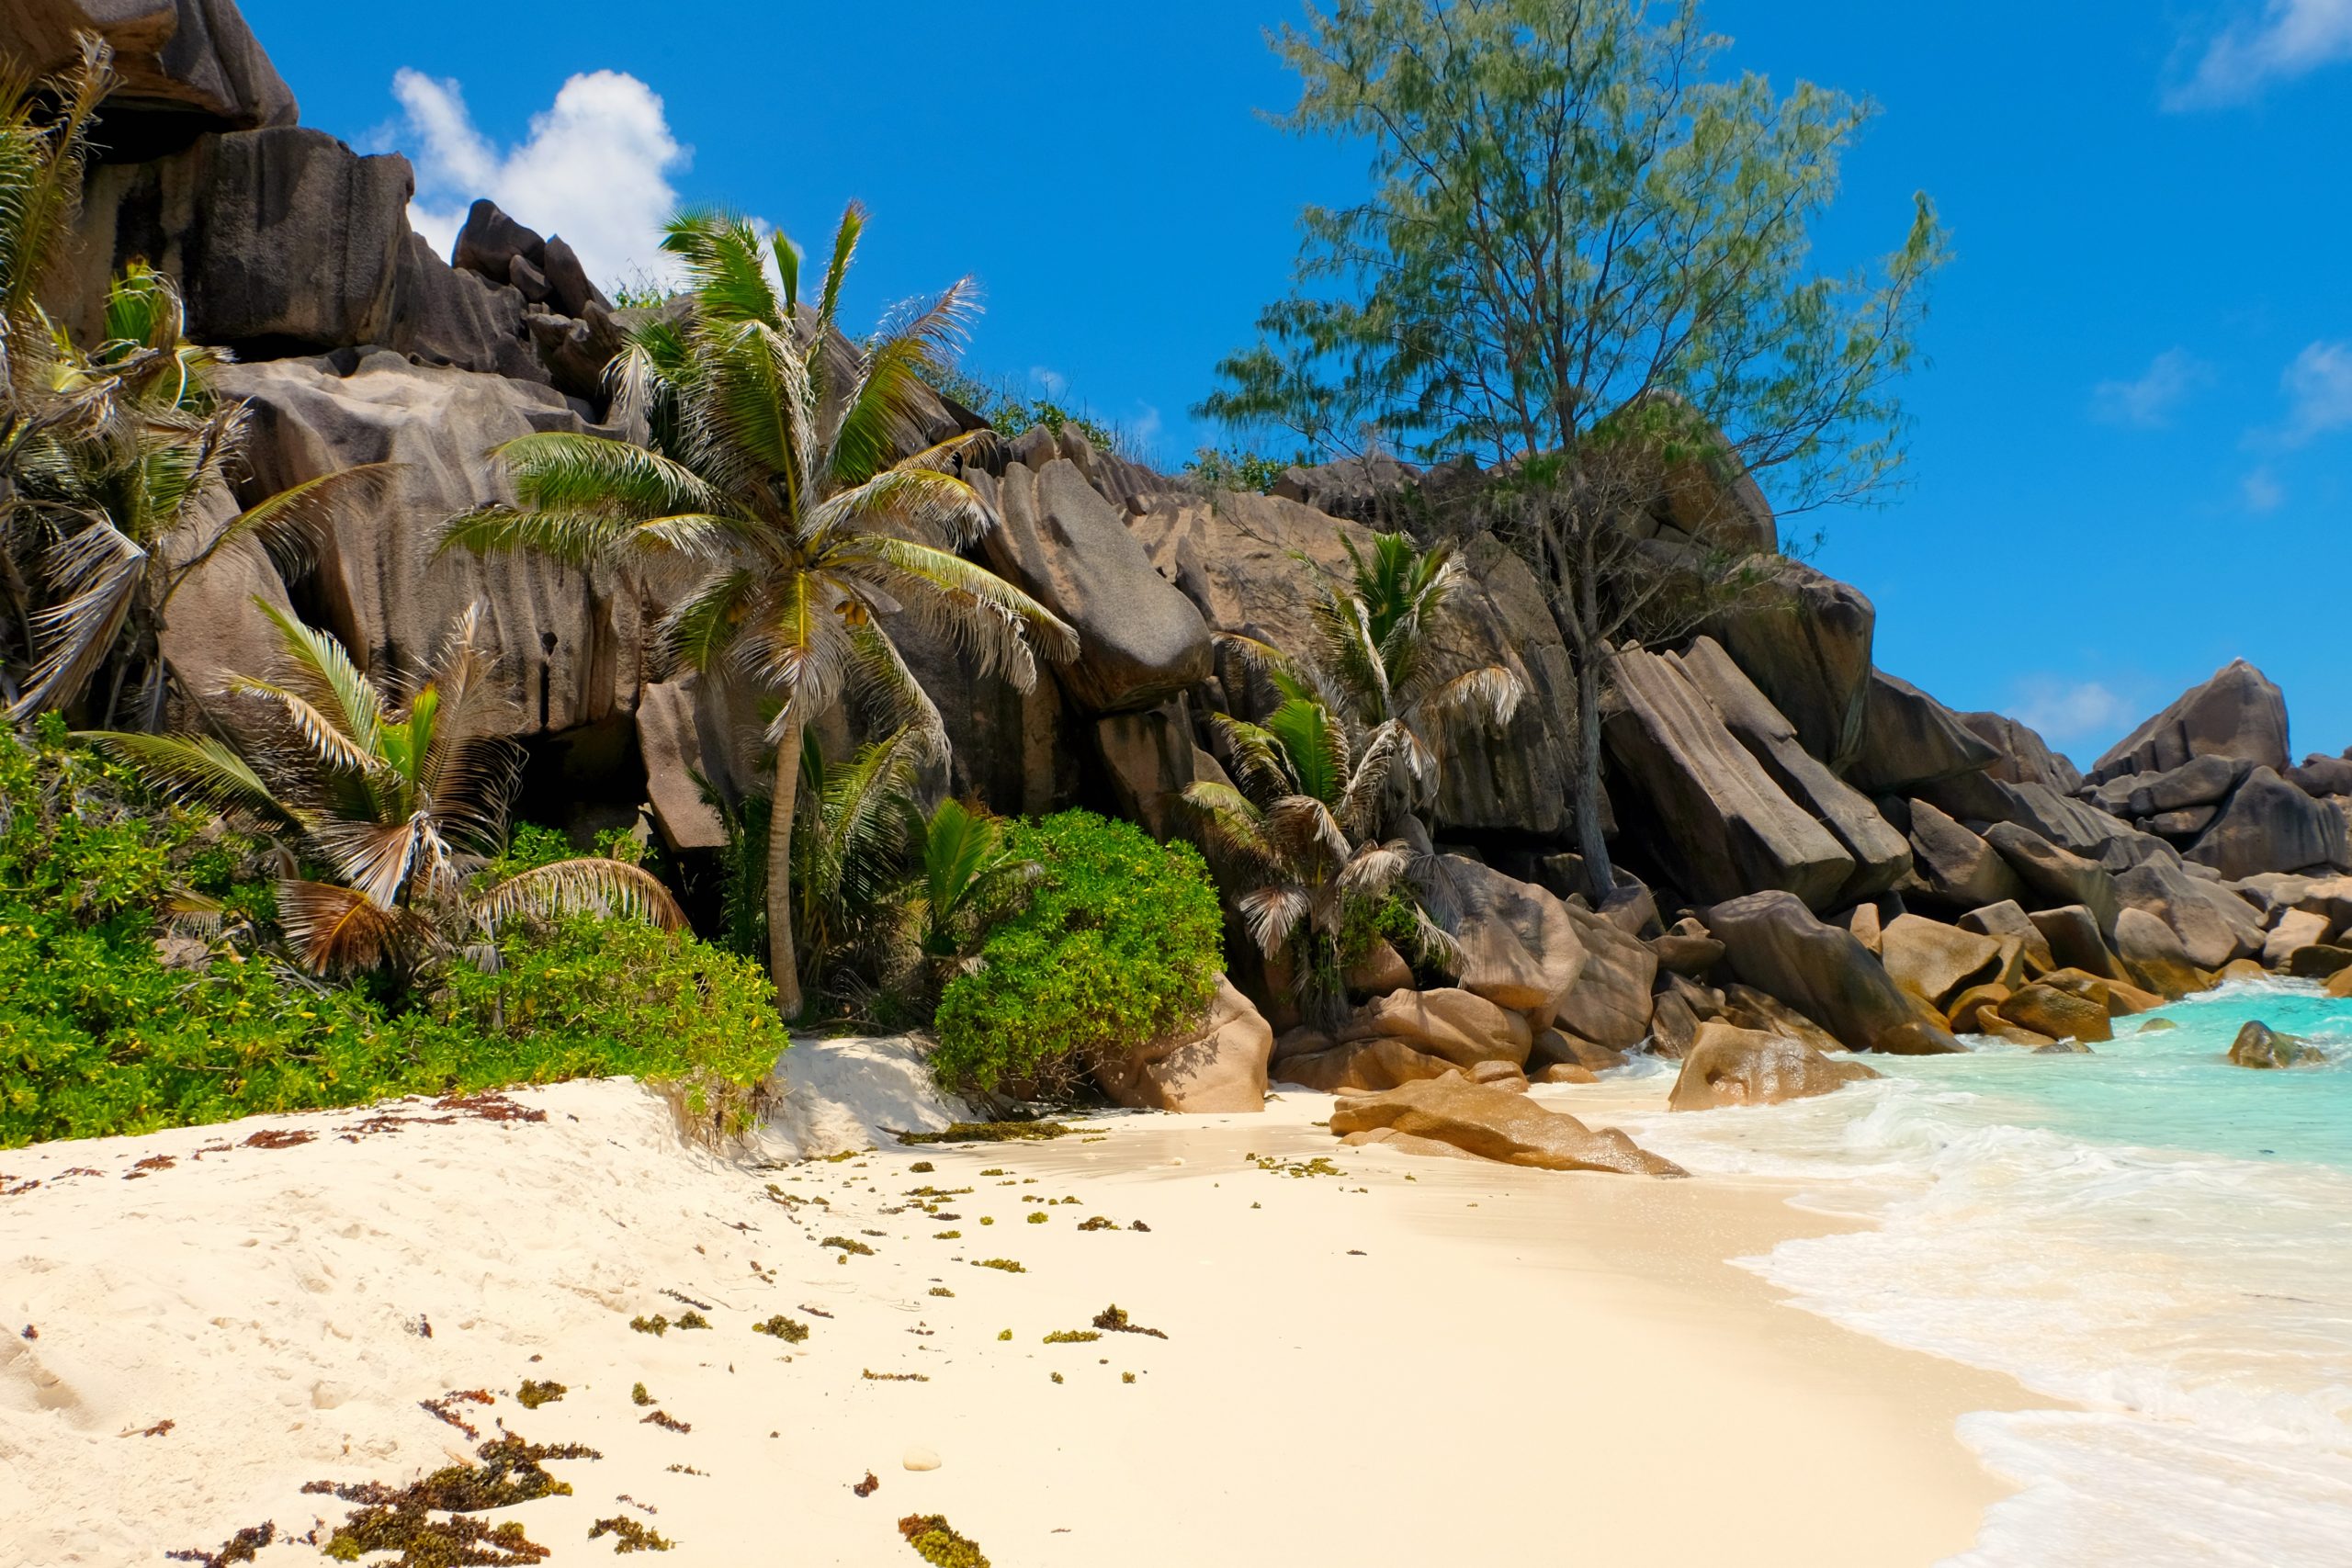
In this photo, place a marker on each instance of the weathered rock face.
(2319, 774)
(1140, 641)
(1492, 1124)
(1361, 1065)
(2058, 1014)
(2055, 875)
(1910, 740)
(1738, 1067)
(1804, 639)
(1962, 871)
(282, 239)
(2269, 825)
(2258, 1046)
(439, 315)
(1449, 1024)
(569, 642)
(2296, 928)
(1609, 1003)
(191, 61)
(2076, 942)
(1521, 950)
(2200, 781)
(2237, 714)
(1881, 857)
(1217, 1066)
(2214, 925)
(1151, 759)
(2023, 756)
(1235, 557)
(671, 740)
(1774, 943)
(1934, 961)
(1362, 490)
(1724, 827)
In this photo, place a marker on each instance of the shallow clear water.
(2148, 1231)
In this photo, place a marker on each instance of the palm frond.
(845, 238)
(569, 471)
(198, 769)
(1272, 915)
(591, 885)
(1256, 756)
(994, 625)
(317, 669)
(726, 268)
(98, 571)
(336, 928)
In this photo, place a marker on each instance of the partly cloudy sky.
(2286, 39)
(595, 168)
(2150, 398)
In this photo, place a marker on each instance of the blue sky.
(2133, 455)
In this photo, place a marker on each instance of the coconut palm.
(1301, 831)
(403, 803)
(1375, 660)
(966, 861)
(789, 488)
(849, 846)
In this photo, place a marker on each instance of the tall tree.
(787, 471)
(1585, 263)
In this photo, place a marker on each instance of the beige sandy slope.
(1420, 1361)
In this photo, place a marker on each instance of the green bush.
(99, 1036)
(1118, 941)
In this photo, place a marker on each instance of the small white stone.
(920, 1458)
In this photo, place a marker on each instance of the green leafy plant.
(1220, 467)
(966, 864)
(792, 482)
(1117, 941)
(403, 805)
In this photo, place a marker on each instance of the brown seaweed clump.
(241, 1547)
(629, 1536)
(937, 1542)
(401, 1518)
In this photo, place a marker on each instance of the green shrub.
(1118, 941)
(98, 1036)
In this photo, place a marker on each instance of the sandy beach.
(1412, 1360)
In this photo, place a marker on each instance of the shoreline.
(1555, 1366)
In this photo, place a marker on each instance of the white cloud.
(2262, 491)
(2148, 400)
(594, 169)
(1053, 383)
(2291, 38)
(2070, 712)
(2319, 392)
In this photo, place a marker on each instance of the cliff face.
(1764, 754)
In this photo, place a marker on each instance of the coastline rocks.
(2296, 928)
(1773, 942)
(2200, 782)
(1804, 639)
(191, 61)
(1610, 1002)
(1736, 1066)
(1359, 1066)
(1456, 1026)
(1725, 826)
(2320, 961)
(2058, 1014)
(2155, 956)
(2269, 825)
(1491, 1124)
(1554, 1048)
(2075, 942)
(1933, 961)
(1140, 641)
(2058, 875)
(1521, 948)
(2261, 1047)
(1962, 870)
(1217, 1065)
(2024, 757)
(2214, 925)
(1910, 740)
(2236, 714)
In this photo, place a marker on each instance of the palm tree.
(788, 475)
(1374, 662)
(849, 846)
(402, 802)
(1300, 829)
(966, 860)
(116, 506)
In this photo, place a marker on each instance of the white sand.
(1425, 1361)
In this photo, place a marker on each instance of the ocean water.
(2154, 1237)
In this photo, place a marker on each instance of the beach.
(1386, 1358)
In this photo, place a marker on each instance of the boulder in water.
(2260, 1046)
(1726, 1065)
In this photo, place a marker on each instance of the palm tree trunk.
(783, 967)
(1601, 876)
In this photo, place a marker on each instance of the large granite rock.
(2214, 924)
(192, 62)
(1774, 943)
(2260, 1046)
(1726, 1065)
(2059, 1014)
(1217, 1065)
(2236, 713)
(1149, 759)
(1452, 1024)
(1255, 565)
(2023, 757)
(2269, 825)
(1881, 858)
(1609, 1003)
(2200, 781)
(1492, 1124)
(1910, 740)
(1722, 826)
(1521, 948)
(282, 240)
(1360, 1065)
(1804, 639)
(442, 316)
(1933, 961)
(1140, 640)
(2057, 876)
(670, 739)
(1962, 871)
(2320, 774)
(570, 642)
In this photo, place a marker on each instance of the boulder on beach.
(1492, 1124)
(1455, 1025)
(1218, 1064)
(2056, 1013)
(1774, 943)
(2260, 1046)
(1738, 1067)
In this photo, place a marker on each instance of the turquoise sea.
(2157, 1240)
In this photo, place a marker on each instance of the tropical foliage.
(401, 804)
(1117, 941)
(789, 487)
(101, 1035)
(967, 865)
